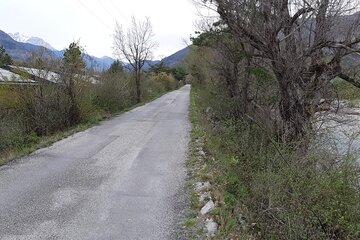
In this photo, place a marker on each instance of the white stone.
(209, 206)
(211, 227)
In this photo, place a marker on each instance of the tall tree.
(303, 43)
(116, 67)
(179, 73)
(5, 59)
(229, 61)
(135, 46)
(72, 68)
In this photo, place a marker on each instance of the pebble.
(209, 206)
(211, 227)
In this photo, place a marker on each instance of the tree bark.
(295, 111)
(138, 85)
(245, 87)
(74, 109)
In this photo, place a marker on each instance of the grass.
(194, 163)
(346, 91)
(190, 223)
(202, 169)
(259, 195)
(45, 141)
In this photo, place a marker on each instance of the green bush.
(115, 92)
(346, 91)
(12, 128)
(28, 112)
(155, 84)
(267, 190)
(166, 80)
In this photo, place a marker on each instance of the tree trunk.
(74, 109)
(138, 85)
(232, 83)
(295, 112)
(245, 87)
(295, 105)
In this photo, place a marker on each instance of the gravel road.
(123, 179)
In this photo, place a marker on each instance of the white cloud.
(93, 21)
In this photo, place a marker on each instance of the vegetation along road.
(123, 179)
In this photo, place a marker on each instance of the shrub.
(167, 81)
(155, 84)
(28, 112)
(114, 92)
(268, 190)
(345, 90)
(12, 127)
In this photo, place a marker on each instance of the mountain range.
(32, 40)
(20, 47)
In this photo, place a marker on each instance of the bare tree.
(135, 46)
(304, 44)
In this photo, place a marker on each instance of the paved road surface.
(123, 179)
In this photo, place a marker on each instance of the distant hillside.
(18, 50)
(21, 51)
(177, 58)
(171, 61)
(32, 40)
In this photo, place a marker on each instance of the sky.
(60, 22)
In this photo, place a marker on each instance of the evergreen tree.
(116, 67)
(5, 59)
(73, 62)
(72, 68)
(179, 73)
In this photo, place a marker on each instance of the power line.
(96, 16)
(106, 10)
(118, 10)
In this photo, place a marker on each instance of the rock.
(199, 186)
(202, 153)
(211, 227)
(209, 206)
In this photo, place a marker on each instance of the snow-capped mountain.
(20, 47)
(19, 37)
(32, 40)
